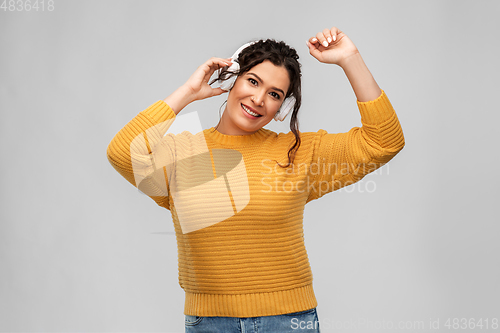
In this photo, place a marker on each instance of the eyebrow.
(258, 78)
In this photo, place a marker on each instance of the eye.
(275, 95)
(252, 81)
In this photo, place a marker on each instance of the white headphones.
(287, 104)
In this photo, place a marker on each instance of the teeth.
(250, 112)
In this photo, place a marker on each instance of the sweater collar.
(238, 140)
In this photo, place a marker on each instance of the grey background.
(81, 250)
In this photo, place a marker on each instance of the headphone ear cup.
(235, 67)
(229, 83)
(285, 109)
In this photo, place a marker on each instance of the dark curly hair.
(280, 54)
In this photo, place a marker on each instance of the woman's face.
(261, 91)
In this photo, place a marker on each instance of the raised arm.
(350, 156)
(141, 152)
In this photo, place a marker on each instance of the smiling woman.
(278, 67)
(241, 248)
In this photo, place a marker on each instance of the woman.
(237, 192)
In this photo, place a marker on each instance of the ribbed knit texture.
(252, 262)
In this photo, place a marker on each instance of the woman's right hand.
(197, 87)
(198, 82)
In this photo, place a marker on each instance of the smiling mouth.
(250, 112)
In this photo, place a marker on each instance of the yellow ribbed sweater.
(237, 216)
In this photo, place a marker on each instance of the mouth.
(250, 112)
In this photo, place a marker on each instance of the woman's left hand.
(331, 46)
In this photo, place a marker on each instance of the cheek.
(237, 92)
(274, 104)
(242, 89)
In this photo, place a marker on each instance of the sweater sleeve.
(342, 159)
(141, 154)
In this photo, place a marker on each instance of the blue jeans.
(296, 322)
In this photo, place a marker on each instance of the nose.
(258, 98)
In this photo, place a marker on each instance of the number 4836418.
(471, 323)
(27, 5)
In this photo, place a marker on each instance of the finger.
(208, 70)
(215, 63)
(309, 45)
(335, 32)
(227, 61)
(218, 91)
(322, 39)
(222, 62)
(314, 41)
(328, 35)
(212, 65)
(313, 49)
